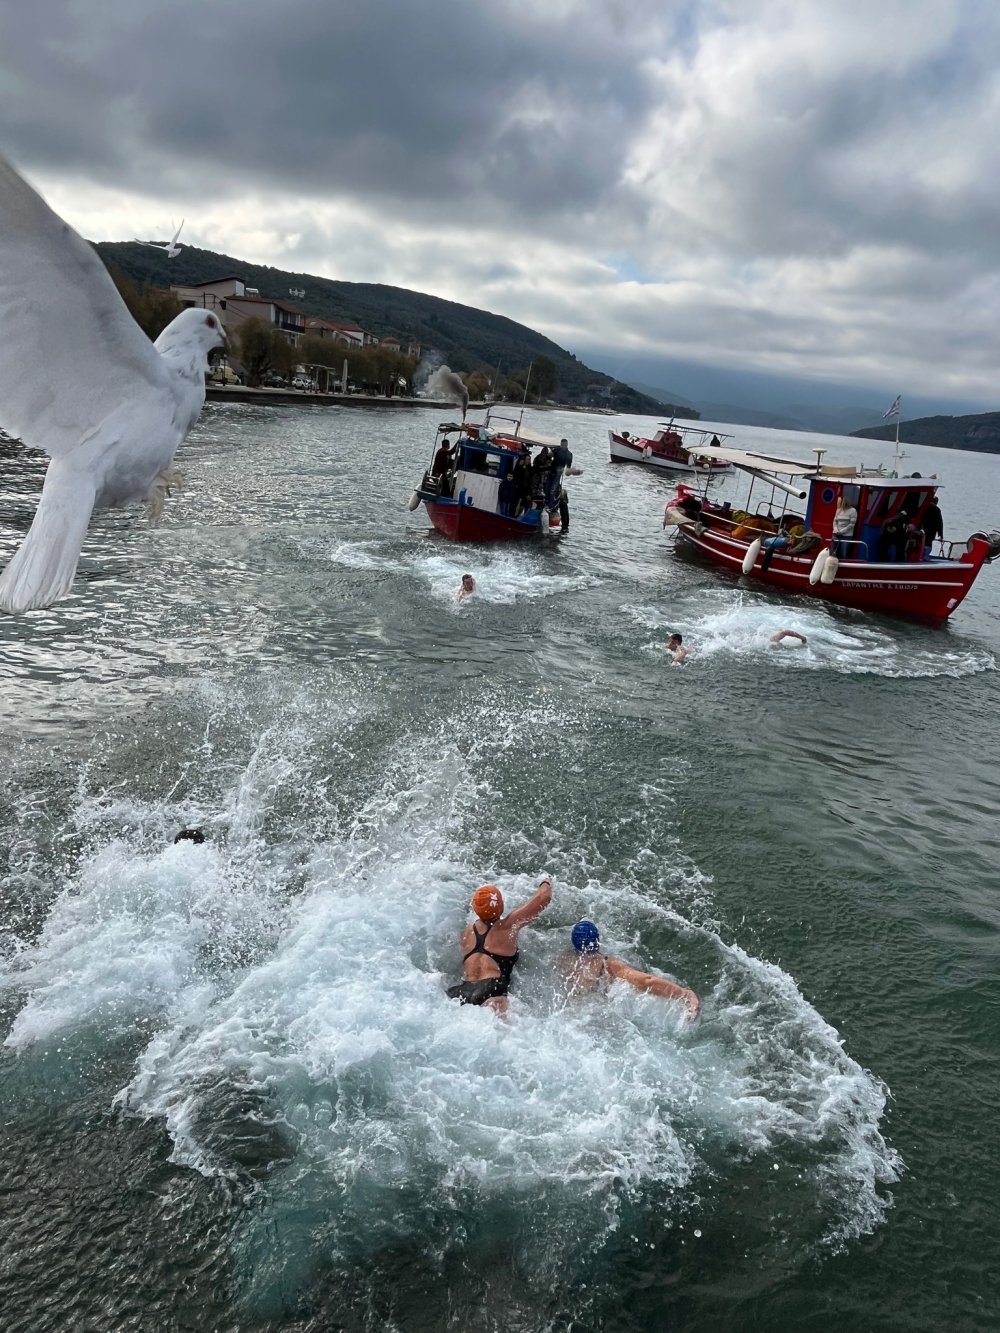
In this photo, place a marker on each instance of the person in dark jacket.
(893, 538)
(932, 523)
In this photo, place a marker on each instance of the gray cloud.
(781, 185)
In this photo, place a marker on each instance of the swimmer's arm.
(536, 904)
(655, 985)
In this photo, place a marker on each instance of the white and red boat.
(783, 536)
(672, 449)
(472, 497)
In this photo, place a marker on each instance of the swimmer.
(466, 588)
(190, 835)
(587, 970)
(675, 646)
(787, 634)
(490, 954)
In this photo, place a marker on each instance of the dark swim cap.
(586, 937)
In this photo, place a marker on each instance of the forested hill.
(466, 338)
(980, 432)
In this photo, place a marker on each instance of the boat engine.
(992, 540)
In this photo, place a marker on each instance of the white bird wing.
(70, 353)
(177, 232)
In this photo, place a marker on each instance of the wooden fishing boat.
(672, 449)
(487, 486)
(783, 534)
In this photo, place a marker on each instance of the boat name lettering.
(864, 583)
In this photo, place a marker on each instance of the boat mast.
(527, 381)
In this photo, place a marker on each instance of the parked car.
(272, 380)
(223, 375)
(302, 382)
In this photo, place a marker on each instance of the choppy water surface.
(233, 1094)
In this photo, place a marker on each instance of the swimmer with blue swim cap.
(588, 969)
(586, 937)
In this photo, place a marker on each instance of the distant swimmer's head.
(586, 937)
(675, 641)
(487, 903)
(190, 835)
(468, 583)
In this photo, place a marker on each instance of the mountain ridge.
(978, 432)
(466, 337)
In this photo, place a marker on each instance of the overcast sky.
(788, 186)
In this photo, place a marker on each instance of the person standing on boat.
(442, 459)
(522, 484)
(893, 538)
(845, 520)
(507, 495)
(932, 523)
(490, 954)
(587, 969)
(561, 459)
(540, 469)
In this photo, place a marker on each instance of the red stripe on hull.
(927, 589)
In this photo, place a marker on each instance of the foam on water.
(302, 1039)
(744, 629)
(503, 576)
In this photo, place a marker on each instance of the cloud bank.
(796, 189)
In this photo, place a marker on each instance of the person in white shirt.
(844, 522)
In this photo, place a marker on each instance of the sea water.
(246, 1044)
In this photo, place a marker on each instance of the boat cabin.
(779, 486)
(877, 500)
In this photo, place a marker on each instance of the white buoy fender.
(818, 563)
(750, 559)
(414, 501)
(830, 570)
(647, 452)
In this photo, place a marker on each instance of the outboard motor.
(992, 540)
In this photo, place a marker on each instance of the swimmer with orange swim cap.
(490, 954)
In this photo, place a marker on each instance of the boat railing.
(838, 545)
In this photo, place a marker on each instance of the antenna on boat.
(819, 458)
(527, 381)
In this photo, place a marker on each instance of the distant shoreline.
(241, 393)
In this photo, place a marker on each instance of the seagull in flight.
(81, 381)
(169, 248)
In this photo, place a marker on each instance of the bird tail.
(44, 566)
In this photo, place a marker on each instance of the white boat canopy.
(782, 467)
(793, 467)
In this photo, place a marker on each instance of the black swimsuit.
(478, 992)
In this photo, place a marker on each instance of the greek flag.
(894, 410)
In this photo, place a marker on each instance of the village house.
(328, 328)
(235, 302)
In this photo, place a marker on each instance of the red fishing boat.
(672, 449)
(878, 558)
(484, 485)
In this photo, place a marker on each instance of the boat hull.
(625, 452)
(929, 590)
(468, 523)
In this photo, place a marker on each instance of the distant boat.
(672, 449)
(782, 534)
(468, 501)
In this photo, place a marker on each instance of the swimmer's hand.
(692, 1007)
